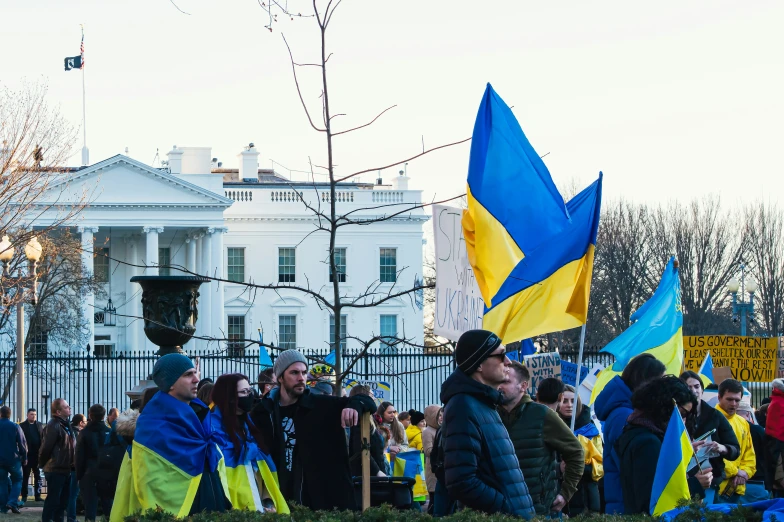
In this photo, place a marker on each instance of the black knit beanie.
(473, 347)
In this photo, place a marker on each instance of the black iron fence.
(414, 377)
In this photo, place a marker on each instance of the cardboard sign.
(751, 359)
(542, 366)
(721, 374)
(459, 305)
(569, 373)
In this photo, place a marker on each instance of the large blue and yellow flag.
(658, 331)
(548, 291)
(171, 450)
(670, 483)
(513, 204)
(246, 470)
(412, 464)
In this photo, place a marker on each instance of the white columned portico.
(206, 290)
(88, 303)
(151, 249)
(134, 293)
(218, 326)
(190, 253)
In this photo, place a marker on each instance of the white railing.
(387, 196)
(239, 195)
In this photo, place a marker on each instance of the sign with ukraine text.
(541, 367)
(751, 359)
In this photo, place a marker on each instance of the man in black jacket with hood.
(307, 437)
(481, 469)
(723, 439)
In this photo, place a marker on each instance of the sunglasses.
(501, 356)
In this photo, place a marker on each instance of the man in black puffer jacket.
(480, 466)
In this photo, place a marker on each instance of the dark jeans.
(10, 496)
(26, 480)
(91, 497)
(58, 486)
(443, 505)
(73, 494)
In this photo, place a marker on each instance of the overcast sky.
(670, 99)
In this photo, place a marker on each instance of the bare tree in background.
(704, 237)
(764, 240)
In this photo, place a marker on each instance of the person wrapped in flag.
(250, 471)
(174, 463)
(655, 449)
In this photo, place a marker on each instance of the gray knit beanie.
(285, 359)
(169, 368)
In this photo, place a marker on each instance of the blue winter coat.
(480, 465)
(612, 407)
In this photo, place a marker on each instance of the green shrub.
(694, 512)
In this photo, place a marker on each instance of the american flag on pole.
(76, 62)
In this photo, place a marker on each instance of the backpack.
(111, 452)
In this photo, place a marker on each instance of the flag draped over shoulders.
(244, 469)
(658, 330)
(548, 291)
(670, 483)
(513, 204)
(171, 450)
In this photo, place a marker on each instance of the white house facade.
(244, 225)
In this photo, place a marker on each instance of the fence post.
(89, 379)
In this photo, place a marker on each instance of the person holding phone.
(722, 439)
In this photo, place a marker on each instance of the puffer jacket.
(775, 423)
(613, 406)
(480, 465)
(428, 438)
(414, 436)
(58, 447)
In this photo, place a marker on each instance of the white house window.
(388, 265)
(236, 265)
(340, 266)
(104, 350)
(287, 265)
(236, 334)
(39, 343)
(287, 331)
(101, 265)
(343, 319)
(388, 331)
(164, 260)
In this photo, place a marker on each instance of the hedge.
(695, 512)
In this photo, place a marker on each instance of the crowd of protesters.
(190, 445)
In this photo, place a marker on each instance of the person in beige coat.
(433, 416)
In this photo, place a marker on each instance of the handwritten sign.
(751, 359)
(781, 358)
(459, 305)
(541, 367)
(381, 390)
(569, 373)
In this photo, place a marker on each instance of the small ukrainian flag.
(670, 483)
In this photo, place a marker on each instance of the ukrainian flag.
(670, 483)
(513, 204)
(658, 330)
(244, 472)
(412, 464)
(706, 370)
(549, 290)
(171, 448)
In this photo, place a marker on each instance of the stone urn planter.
(169, 307)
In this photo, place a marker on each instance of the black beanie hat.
(473, 347)
(416, 416)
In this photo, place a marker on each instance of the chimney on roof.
(400, 182)
(249, 162)
(175, 160)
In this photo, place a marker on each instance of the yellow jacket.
(414, 434)
(747, 460)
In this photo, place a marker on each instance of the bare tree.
(764, 240)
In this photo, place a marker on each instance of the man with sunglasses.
(480, 465)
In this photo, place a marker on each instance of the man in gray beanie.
(306, 435)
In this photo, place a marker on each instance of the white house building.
(244, 225)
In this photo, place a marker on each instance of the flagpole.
(575, 413)
(85, 150)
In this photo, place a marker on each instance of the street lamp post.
(32, 252)
(740, 308)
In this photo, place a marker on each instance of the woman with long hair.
(641, 443)
(392, 430)
(245, 453)
(586, 498)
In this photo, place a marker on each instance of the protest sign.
(459, 305)
(721, 374)
(586, 387)
(751, 359)
(569, 373)
(541, 367)
(781, 358)
(381, 390)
